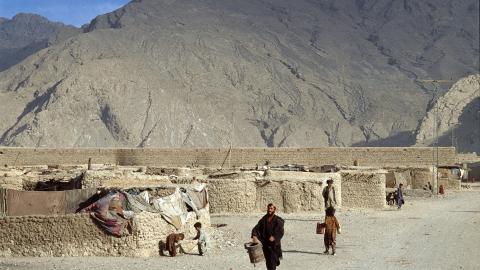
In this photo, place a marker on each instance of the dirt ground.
(428, 233)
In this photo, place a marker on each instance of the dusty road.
(433, 233)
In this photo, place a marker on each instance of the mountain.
(457, 114)
(26, 34)
(216, 73)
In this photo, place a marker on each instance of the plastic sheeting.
(25, 203)
(172, 208)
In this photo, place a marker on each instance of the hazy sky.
(75, 12)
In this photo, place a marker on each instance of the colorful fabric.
(107, 212)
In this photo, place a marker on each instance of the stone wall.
(375, 156)
(363, 189)
(77, 235)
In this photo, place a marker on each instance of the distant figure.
(331, 229)
(203, 240)
(390, 198)
(430, 187)
(269, 231)
(400, 200)
(329, 195)
(441, 190)
(172, 241)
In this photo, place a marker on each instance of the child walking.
(331, 229)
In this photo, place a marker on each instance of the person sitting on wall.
(328, 194)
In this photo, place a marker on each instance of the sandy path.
(434, 233)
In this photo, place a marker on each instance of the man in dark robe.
(400, 200)
(269, 231)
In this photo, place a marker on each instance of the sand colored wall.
(77, 235)
(421, 177)
(232, 195)
(290, 191)
(121, 179)
(449, 184)
(376, 156)
(363, 189)
(11, 182)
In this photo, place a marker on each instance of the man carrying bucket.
(269, 231)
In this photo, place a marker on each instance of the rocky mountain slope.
(26, 34)
(243, 73)
(457, 114)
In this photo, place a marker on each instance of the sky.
(73, 12)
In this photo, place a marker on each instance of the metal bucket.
(255, 252)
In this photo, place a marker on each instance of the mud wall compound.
(363, 189)
(291, 192)
(236, 157)
(77, 235)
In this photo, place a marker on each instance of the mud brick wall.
(77, 235)
(449, 184)
(421, 177)
(295, 191)
(291, 192)
(123, 179)
(232, 195)
(210, 157)
(8, 182)
(410, 177)
(363, 189)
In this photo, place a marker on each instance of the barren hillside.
(249, 73)
(26, 34)
(457, 115)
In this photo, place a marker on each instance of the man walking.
(329, 195)
(269, 231)
(400, 200)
